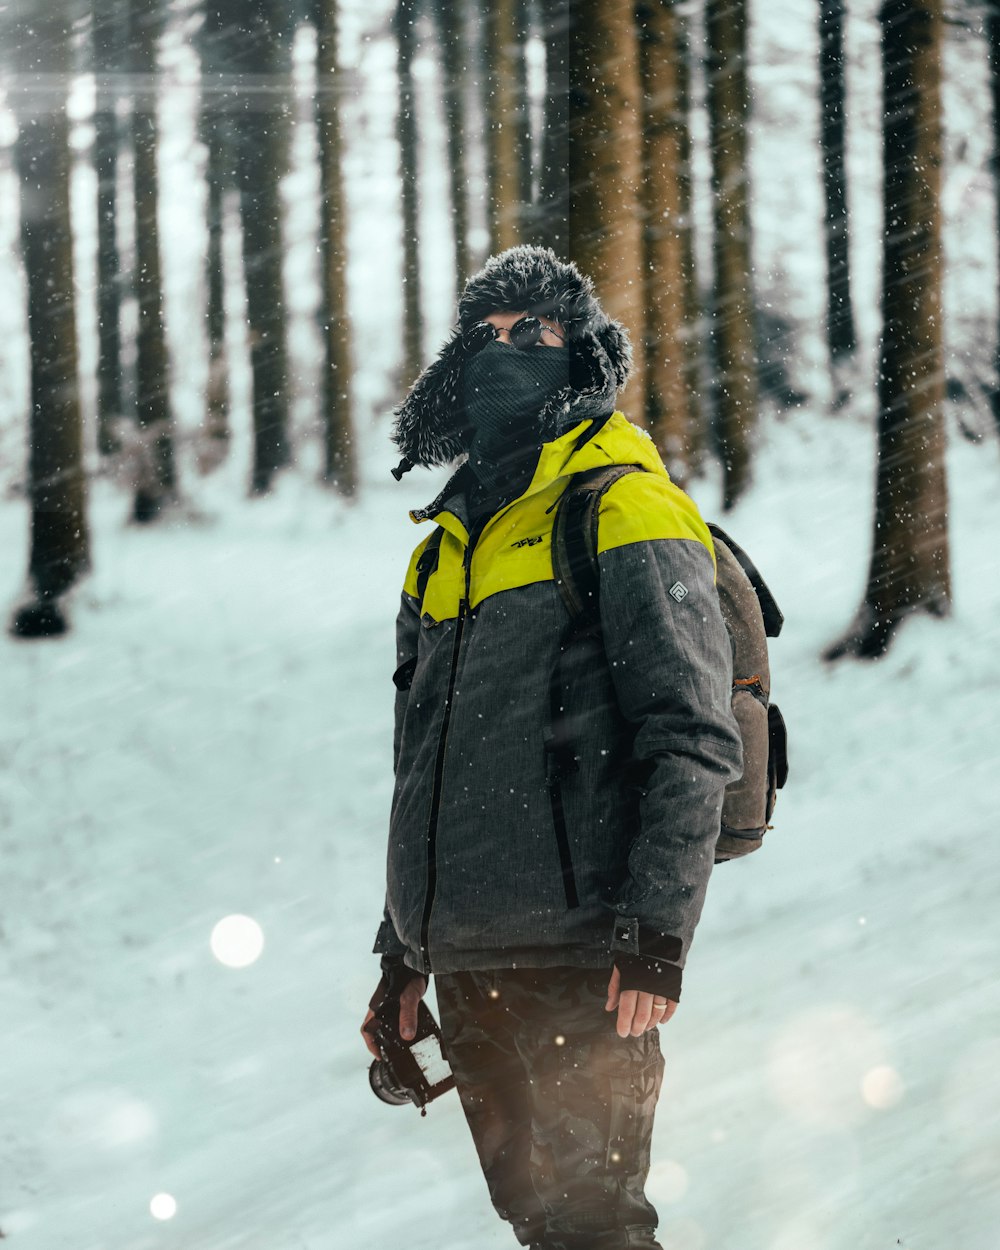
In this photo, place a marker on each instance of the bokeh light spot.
(882, 1087)
(163, 1206)
(237, 941)
(668, 1180)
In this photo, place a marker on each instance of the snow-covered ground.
(214, 738)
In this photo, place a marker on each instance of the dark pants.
(560, 1107)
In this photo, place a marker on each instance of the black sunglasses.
(524, 334)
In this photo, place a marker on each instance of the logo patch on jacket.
(678, 591)
(528, 542)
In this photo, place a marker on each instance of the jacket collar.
(618, 442)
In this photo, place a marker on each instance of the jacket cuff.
(633, 938)
(396, 976)
(386, 941)
(649, 975)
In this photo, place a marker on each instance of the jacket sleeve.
(671, 665)
(387, 940)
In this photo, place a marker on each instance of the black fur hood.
(430, 424)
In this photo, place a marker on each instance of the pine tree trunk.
(217, 135)
(605, 169)
(507, 118)
(157, 479)
(666, 190)
(108, 45)
(59, 551)
(839, 316)
(693, 343)
(733, 339)
(549, 218)
(451, 22)
(991, 25)
(262, 60)
(340, 465)
(910, 568)
(406, 136)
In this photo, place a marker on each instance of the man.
(558, 797)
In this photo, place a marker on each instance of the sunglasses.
(524, 334)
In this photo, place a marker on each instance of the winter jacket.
(485, 869)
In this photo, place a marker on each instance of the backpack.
(751, 616)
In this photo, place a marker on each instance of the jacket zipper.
(432, 821)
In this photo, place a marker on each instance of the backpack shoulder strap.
(574, 540)
(773, 616)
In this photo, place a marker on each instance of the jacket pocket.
(402, 678)
(558, 763)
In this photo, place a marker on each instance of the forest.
(232, 234)
(572, 125)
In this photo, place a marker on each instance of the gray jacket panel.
(474, 876)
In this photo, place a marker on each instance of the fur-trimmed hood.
(430, 424)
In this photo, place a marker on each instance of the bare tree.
(507, 132)
(108, 52)
(839, 315)
(340, 461)
(60, 550)
(910, 567)
(733, 337)
(451, 21)
(671, 315)
(217, 136)
(605, 166)
(991, 24)
(405, 16)
(157, 482)
(261, 59)
(549, 218)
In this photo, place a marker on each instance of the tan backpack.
(751, 616)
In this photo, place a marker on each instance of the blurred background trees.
(618, 134)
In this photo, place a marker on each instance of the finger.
(671, 1008)
(643, 1013)
(613, 990)
(408, 1007)
(626, 1010)
(369, 1040)
(656, 1017)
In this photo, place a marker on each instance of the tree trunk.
(340, 462)
(909, 568)
(157, 479)
(605, 168)
(548, 224)
(217, 135)
(451, 22)
(406, 136)
(991, 23)
(733, 339)
(59, 551)
(108, 44)
(507, 120)
(666, 188)
(262, 60)
(839, 316)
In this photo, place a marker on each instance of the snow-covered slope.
(214, 738)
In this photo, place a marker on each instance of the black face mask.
(504, 390)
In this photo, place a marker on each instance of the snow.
(213, 740)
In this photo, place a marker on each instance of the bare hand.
(637, 1010)
(414, 992)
